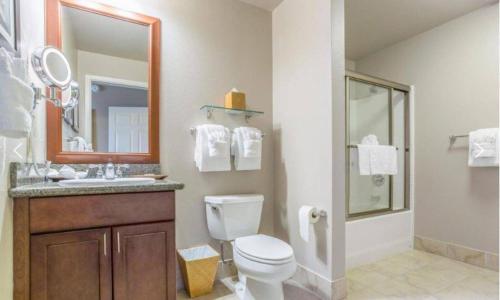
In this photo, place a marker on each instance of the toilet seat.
(264, 249)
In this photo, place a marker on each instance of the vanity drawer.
(79, 212)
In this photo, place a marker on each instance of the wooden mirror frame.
(54, 114)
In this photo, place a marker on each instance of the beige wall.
(207, 48)
(454, 68)
(31, 38)
(302, 117)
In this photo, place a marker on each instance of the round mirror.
(52, 67)
(71, 101)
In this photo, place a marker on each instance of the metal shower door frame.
(391, 86)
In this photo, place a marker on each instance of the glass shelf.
(208, 109)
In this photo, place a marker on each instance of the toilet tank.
(233, 216)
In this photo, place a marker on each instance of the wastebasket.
(198, 266)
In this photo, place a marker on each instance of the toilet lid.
(264, 247)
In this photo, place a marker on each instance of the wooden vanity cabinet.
(102, 247)
(143, 266)
(71, 265)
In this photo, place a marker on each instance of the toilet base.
(258, 290)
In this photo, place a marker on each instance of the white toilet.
(263, 262)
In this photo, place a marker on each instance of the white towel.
(383, 160)
(218, 141)
(374, 159)
(247, 148)
(370, 139)
(364, 159)
(16, 100)
(483, 147)
(205, 162)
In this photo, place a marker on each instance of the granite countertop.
(52, 189)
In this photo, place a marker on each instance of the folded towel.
(212, 151)
(483, 147)
(16, 100)
(218, 141)
(370, 139)
(384, 160)
(252, 148)
(247, 148)
(364, 159)
(374, 159)
(67, 172)
(17, 67)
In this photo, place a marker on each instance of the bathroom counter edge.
(52, 189)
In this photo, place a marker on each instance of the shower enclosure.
(381, 108)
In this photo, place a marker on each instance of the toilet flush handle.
(214, 207)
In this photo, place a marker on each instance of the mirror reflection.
(112, 70)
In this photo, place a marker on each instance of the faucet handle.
(119, 171)
(99, 173)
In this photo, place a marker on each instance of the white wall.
(31, 38)
(371, 239)
(454, 68)
(302, 117)
(350, 65)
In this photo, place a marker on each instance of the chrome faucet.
(109, 172)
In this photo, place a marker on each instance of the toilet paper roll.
(307, 215)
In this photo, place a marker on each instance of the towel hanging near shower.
(375, 159)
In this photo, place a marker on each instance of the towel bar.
(453, 138)
(356, 146)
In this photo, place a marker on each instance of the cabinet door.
(71, 265)
(144, 262)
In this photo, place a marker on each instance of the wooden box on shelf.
(235, 100)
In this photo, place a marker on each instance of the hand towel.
(16, 100)
(483, 147)
(218, 141)
(364, 153)
(204, 162)
(247, 148)
(370, 139)
(364, 159)
(374, 159)
(383, 160)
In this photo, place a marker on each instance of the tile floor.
(413, 275)
(420, 275)
(221, 292)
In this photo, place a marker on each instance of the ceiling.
(372, 25)
(105, 35)
(265, 4)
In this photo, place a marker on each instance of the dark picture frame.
(10, 25)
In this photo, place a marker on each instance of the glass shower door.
(369, 113)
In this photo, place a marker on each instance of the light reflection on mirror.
(109, 59)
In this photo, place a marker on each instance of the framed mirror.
(114, 56)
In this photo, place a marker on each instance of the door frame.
(392, 86)
(89, 78)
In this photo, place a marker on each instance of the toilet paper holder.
(321, 213)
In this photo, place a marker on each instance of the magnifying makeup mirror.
(53, 69)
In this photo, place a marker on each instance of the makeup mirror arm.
(52, 97)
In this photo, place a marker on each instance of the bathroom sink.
(106, 182)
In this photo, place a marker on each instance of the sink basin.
(106, 182)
